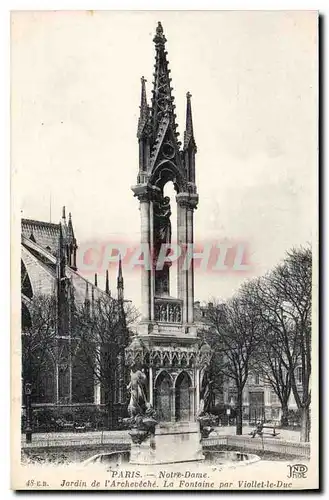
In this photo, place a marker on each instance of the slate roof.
(45, 234)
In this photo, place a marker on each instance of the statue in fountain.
(207, 402)
(207, 399)
(142, 420)
(138, 398)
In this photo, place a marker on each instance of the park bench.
(79, 427)
(261, 426)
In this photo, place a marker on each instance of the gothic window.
(183, 397)
(26, 287)
(64, 382)
(163, 397)
(26, 318)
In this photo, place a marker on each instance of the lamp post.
(231, 404)
(28, 426)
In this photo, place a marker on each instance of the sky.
(75, 91)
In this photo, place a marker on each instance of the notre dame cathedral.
(61, 368)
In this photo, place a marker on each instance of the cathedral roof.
(45, 234)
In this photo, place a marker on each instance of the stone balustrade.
(168, 310)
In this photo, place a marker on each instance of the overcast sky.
(253, 78)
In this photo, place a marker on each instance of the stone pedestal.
(171, 443)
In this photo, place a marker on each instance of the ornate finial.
(144, 110)
(120, 281)
(188, 135)
(120, 267)
(159, 36)
(63, 213)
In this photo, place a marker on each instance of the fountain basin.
(212, 459)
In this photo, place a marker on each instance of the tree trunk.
(284, 416)
(305, 425)
(110, 416)
(239, 414)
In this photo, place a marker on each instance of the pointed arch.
(163, 391)
(183, 399)
(166, 171)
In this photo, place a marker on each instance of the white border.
(5, 8)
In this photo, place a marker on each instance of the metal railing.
(49, 440)
(260, 444)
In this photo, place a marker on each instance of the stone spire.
(190, 148)
(70, 231)
(120, 286)
(71, 243)
(144, 110)
(162, 100)
(188, 134)
(63, 223)
(61, 255)
(96, 279)
(107, 284)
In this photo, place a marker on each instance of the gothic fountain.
(170, 385)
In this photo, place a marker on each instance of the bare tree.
(291, 282)
(102, 333)
(270, 357)
(38, 336)
(236, 327)
(283, 301)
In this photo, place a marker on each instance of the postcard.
(164, 250)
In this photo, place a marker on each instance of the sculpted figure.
(138, 397)
(162, 213)
(206, 395)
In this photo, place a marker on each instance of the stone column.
(57, 383)
(190, 272)
(173, 404)
(197, 390)
(152, 272)
(181, 272)
(192, 411)
(151, 385)
(70, 380)
(145, 241)
(97, 384)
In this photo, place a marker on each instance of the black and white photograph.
(164, 185)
